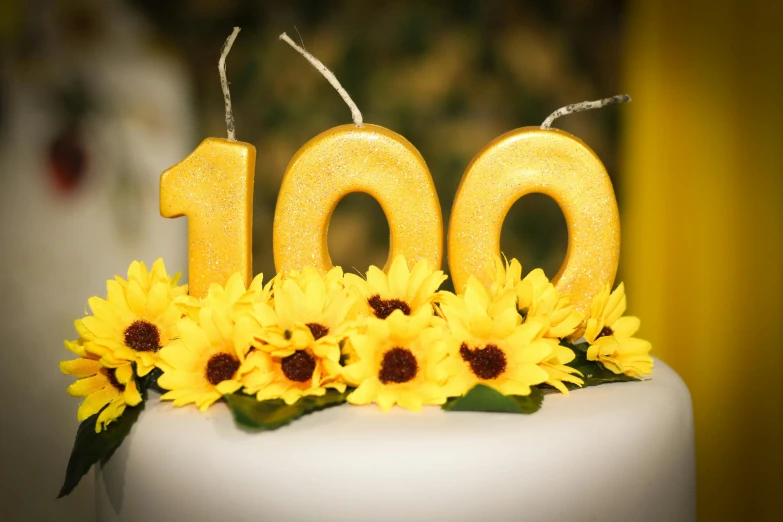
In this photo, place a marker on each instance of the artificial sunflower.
(105, 390)
(556, 366)
(611, 335)
(537, 298)
(300, 374)
(308, 301)
(410, 291)
(233, 297)
(505, 276)
(298, 350)
(488, 345)
(136, 320)
(400, 361)
(204, 362)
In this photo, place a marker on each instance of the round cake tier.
(613, 452)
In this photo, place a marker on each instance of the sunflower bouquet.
(305, 341)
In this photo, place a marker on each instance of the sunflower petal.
(87, 386)
(94, 402)
(228, 387)
(137, 298)
(131, 394)
(365, 393)
(81, 367)
(615, 306)
(377, 282)
(109, 415)
(124, 373)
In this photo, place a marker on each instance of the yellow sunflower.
(233, 297)
(537, 298)
(505, 276)
(488, 345)
(203, 363)
(308, 301)
(136, 320)
(401, 361)
(410, 291)
(298, 349)
(105, 390)
(611, 336)
(556, 365)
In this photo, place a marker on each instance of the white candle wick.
(331, 78)
(232, 135)
(584, 106)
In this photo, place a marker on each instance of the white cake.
(615, 452)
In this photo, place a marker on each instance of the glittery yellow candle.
(551, 162)
(213, 187)
(355, 158)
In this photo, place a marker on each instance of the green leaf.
(90, 447)
(593, 372)
(257, 415)
(150, 381)
(484, 398)
(578, 347)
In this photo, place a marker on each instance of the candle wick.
(232, 135)
(584, 106)
(331, 78)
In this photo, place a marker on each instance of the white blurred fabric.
(58, 250)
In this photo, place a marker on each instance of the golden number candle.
(213, 187)
(550, 162)
(355, 158)
(347, 159)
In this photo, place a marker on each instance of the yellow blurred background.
(703, 230)
(97, 97)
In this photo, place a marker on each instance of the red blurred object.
(67, 160)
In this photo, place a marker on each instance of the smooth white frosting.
(612, 452)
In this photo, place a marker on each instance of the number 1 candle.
(551, 162)
(213, 187)
(355, 158)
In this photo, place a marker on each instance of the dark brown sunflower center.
(143, 336)
(318, 330)
(605, 332)
(111, 375)
(299, 366)
(487, 363)
(398, 366)
(383, 308)
(221, 367)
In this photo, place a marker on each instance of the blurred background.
(97, 98)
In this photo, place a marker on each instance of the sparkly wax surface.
(550, 162)
(348, 159)
(213, 187)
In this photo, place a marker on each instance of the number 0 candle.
(355, 158)
(213, 187)
(551, 162)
